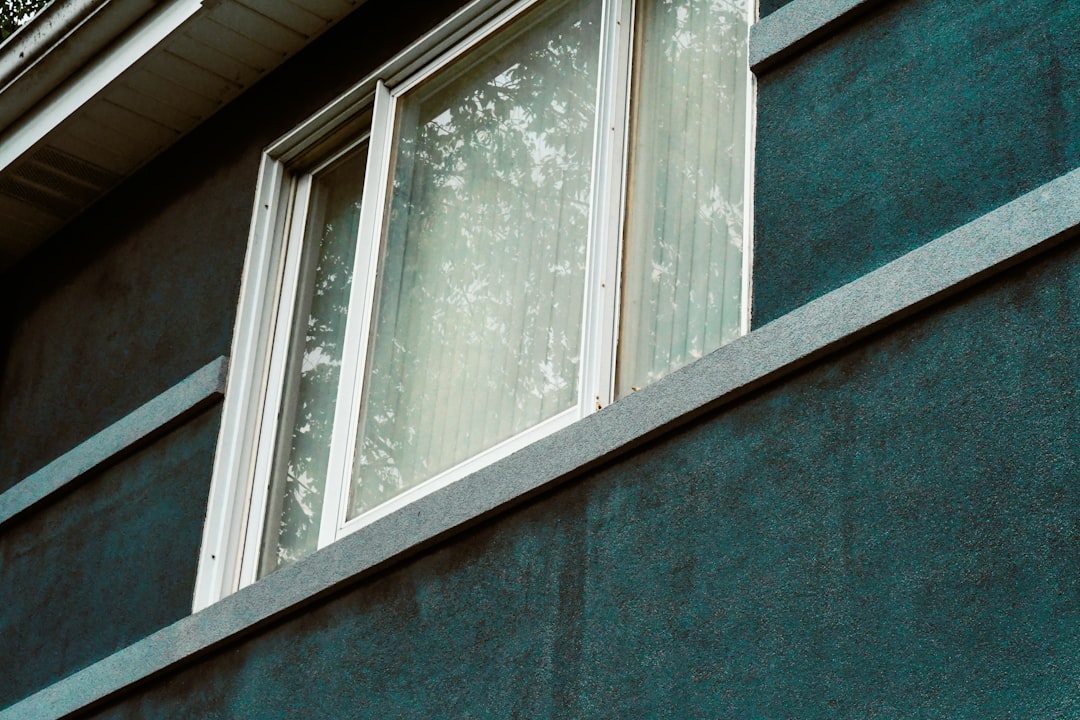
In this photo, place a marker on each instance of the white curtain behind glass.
(683, 247)
(478, 316)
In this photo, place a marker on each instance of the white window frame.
(241, 475)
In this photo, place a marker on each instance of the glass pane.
(478, 318)
(683, 248)
(303, 446)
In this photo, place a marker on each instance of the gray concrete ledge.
(1009, 234)
(796, 25)
(119, 439)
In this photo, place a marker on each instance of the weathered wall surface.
(917, 118)
(126, 302)
(892, 533)
(767, 7)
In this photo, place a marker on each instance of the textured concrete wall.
(767, 7)
(127, 301)
(106, 564)
(892, 533)
(916, 119)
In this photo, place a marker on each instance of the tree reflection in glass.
(478, 317)
(303, 447)
(682, 273)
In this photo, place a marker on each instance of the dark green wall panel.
(107, 564)
(918, 118)
(892, 533)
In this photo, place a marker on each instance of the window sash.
(233, 532)
(477, 324)
(313, 362)
(602, 262)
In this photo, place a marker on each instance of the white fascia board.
(143, 37)
(55, 45)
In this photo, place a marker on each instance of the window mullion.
(748, 185)
(275, 380)
(230, 489)
(358, 328)
(600, 321)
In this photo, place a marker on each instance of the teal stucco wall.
(767, 7)
(894, 532)
(133, 297)
(106, 564)
(917, 118)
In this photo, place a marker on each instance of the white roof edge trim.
(41, 34)
(84, 85)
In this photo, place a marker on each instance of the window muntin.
(391, 119)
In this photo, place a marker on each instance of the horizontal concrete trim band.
(987, 245)
(123, 437)
(796, 25)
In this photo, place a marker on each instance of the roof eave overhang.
(91, 90)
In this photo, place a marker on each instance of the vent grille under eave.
(56, 183)
(41, 193)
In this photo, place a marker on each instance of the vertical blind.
(682, 280)
(478, 321)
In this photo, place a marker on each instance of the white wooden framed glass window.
(536, 209)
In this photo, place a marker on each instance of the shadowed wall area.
(766, 7)
(107, 564)
(892, 533)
